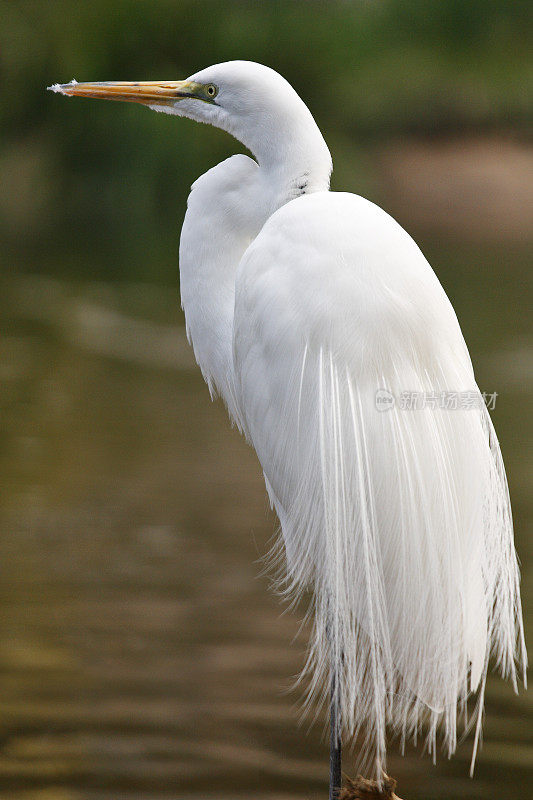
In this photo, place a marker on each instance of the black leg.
(335, 776)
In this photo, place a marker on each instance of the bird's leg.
(335, 776)
(335, 770)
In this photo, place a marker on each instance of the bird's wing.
(358, 395)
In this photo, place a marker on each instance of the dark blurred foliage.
(98, 189)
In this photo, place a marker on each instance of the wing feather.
(398, 521)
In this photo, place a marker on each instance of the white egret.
(317, 319)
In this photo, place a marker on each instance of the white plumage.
(399, 520)
(302, 304)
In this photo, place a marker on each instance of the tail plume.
(402, 530)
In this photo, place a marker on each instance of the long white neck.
(227, 208)
(287, 144)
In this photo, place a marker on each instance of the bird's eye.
(211, 90)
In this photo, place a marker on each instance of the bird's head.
(251, 101)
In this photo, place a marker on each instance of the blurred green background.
(141, 653)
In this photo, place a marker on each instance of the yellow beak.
(147, 92)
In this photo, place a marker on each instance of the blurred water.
(141, 653)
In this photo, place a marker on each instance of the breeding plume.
(318, 320)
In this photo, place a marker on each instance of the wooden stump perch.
(363, 789)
